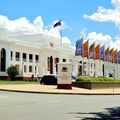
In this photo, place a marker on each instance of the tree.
(110, 75)
(12, 72)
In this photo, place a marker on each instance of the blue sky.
(71, 12)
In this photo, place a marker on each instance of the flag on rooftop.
(102, 52)
(111, 55)
(79, 45)
(85, 49)
(115, 56)
(107, 54)
(97, 52)
(57, 23)
(92, 51)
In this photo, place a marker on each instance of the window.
(30, 68)
(3, 60)
(17, 56)
(30, 58)
(80, 61)
(24, 56)
(36, 58)
(11, 55)
(56, 60)
(64, 60)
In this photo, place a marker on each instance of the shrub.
(95, 79)
(110, 75)
(12, 72)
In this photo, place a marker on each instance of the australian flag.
(57, 23)
(79, 45)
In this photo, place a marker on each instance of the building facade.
(38, 54)
(35, 54)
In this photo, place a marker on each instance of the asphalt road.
(27, 106)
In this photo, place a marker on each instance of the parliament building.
(38, 54)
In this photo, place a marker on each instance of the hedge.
(95, 79)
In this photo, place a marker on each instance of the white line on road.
(3, 96)
(27, 105)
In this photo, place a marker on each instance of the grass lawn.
(17, 82)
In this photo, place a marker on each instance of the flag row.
(96, 52)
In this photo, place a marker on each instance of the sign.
(64, 75)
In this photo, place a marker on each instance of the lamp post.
(113, 80)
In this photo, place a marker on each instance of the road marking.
(27, 105)
(3, 96)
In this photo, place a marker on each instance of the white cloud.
(106, 40)
(24, 26)
(107, 15)
(21, 25)
(66, 41)
(38, 22)
(116, 4)
(3, 21)
(117, 42)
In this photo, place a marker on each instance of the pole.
(61, 35)
(99, 62)
(94, 60)
(113, 81)
(83, 61)
(88, 60)
(83, 54)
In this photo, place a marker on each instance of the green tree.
(12, 72)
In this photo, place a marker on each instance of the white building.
(35, 54)
(38, 54)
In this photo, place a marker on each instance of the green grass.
(17, 82)
(94, 79)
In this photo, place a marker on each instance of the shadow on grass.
(108, 114)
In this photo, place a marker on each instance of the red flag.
(92, 51)
(85, 49)
(111, 55)
(97, 52)
(107, 54)
(115, 56)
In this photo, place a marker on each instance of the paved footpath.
(49, 89)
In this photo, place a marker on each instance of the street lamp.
(113, 79)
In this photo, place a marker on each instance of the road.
(27, 106)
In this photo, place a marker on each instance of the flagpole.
(99, 62)
(117, 65)
(59, 24)
(61, 35)
(94, 60)
(88, 61)
(82, 54)
(104, 62)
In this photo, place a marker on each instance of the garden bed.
(97, 83)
